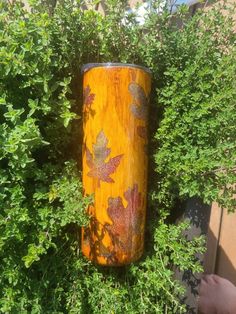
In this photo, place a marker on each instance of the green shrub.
(196, 138)
(42, 206)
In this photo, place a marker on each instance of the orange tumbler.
(115, 112)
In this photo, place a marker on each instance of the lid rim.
(86, 67)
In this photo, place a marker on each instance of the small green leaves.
(33, 255)
(198, 103)
(42, 205)
(33, 105)
(52, 195)
(13, 115)
(68, 116)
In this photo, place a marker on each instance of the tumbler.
(115, 121)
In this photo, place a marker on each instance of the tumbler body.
(115, 113)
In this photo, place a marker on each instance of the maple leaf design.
(134, 200)
(125, 221)
(99, 168)
(142, 132)
(119, 217)
(140, 108)
(88, 97)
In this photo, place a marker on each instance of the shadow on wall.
(215, 259)
(198, 214)
(223, 265)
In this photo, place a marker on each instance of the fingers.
(216, 295)
(210, 279)
(215, 279)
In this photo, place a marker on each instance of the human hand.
(216, 296)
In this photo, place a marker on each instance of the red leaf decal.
(142, 131)
(104, 171)
(89, 158)
(140, 108)
(99, 168)
(88, 97)
(101, 152)
(115, 207)
(125, 221)
(112, 164)
(134, 200)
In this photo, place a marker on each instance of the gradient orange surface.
(115, 161)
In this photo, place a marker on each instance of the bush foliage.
(42, 206)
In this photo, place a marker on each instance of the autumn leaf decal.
(88, 97)
(127, 221)
(99, 167)
(133, 197)
(140, 108)
(142, 132)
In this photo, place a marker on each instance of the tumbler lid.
(86, 67)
